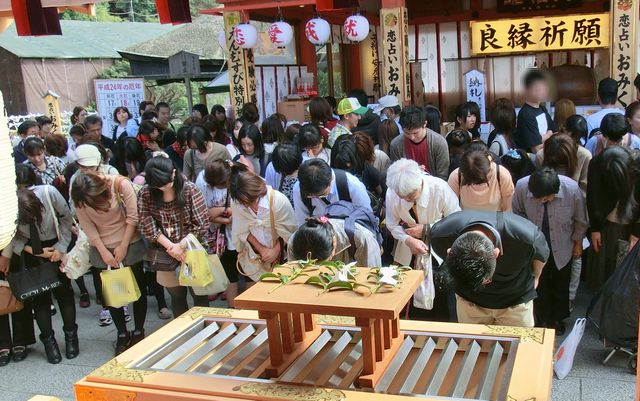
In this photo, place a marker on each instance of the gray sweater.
(438, 153)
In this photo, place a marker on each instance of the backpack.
(342, 184)
(352, 215)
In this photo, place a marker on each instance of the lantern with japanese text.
(245, 36)
(356, 28)
(222, 40)
(280, 33)
(318, 31)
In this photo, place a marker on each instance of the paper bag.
(119, 286)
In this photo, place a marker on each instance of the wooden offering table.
(288, 312)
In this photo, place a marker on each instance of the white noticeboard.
(112, 93)
(474, 83)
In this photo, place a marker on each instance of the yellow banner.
(52, 110)
(241, 67)
(624, 14)
(395, 53)
(536, 34)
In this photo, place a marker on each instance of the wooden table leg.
(275, 339)
(298, 327)
(309, 324)
(386, 326)
(286, 327)
(395, 328)
(378, 339)
(368, 350)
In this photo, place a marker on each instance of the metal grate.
(427, 364)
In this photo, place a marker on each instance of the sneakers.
(127, 316)
(164, 314)
(85, 302)
(104, 318)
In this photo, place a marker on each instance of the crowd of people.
(498, 226)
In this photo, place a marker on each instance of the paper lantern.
(356, 28)
(318, 31)
(8, 195)
(245, 36)
(222, 40)
(280, 33)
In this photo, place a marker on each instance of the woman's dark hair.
(466, 108)
(33, 145)
(291, 133)
(218, 108)
(433, 118)
(332, 102)
(30, 208)
(286, 159)
(26, 177)
(115, 113)
(474, 167)
(24, 127)
(147, 127)
(309, 136)
(245, 187)
(320, 111)
(365, 147)
(387, 131)
(458, 140)
(216, 129)
(91, 190)
(272, 129)
(56, 145)
(544, 182)
(129, 150)
(199, 136)
(160, 171)
(313, 240)
(503, 116)
(561, 154)
(201, 108)
(576, 126)
(149, 115)
(518, 163)
(252, 132)
(77, 130)
(181, 135)
(74, 115)
(631, 110)
(344, 155)
(250, 113)
(217, 173)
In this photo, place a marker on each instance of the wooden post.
(52, 110)
(242, 77)
(624, 49)
(396, 78)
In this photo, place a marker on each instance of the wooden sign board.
(184, 64)
(624, 18)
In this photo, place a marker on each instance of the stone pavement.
(589, 380)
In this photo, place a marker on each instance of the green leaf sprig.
(297, 269)
(391, 276)
(337, 277)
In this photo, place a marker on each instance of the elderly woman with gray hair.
(415, 200)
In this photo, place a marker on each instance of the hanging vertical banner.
(375, 60)
(241, 70)
(52, 110)
(474, 83)
(395, 53)
(624, 18)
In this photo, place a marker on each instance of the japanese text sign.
(396, 79)
(112, 93)
(474, 82)
(52, 110)
(241, 67)
(624, 17)
(568, 32)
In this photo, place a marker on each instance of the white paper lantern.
(280, 33)
(245, 36)
(356, 28)
(222, 40)
(318, 31)
(8, 195)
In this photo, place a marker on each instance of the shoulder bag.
(8, 302)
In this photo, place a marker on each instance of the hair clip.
(323, 219)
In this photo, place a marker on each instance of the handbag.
(249, 263)
(195, 270)
(29, 282)
(159, 260)
(8, 302)
(119, 286)
(77, 261)
(135, 252)
(563, 359)
(220, 281)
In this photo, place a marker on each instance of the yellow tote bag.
(195, 270)
(119, 286)
(220, 281)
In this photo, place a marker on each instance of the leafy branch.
(296, 269)
(339, 276)
(391, 276)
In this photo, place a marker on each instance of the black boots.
(122, 343)
(51, 348)
(72, 349)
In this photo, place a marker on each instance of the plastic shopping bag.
(220, 281)
(195, 270)
(119, 286)
(563, 359)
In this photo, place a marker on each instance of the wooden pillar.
(624, 19)
(241, 67)
(396, 78)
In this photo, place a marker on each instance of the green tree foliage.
(102, 15)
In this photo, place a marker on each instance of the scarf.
(178, 149)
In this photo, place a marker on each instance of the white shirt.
(325, 155)
(272, 177)
(262, 231)
(357, 191)
(215, 197)
(595, 119)
(233, 151)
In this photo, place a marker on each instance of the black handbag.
(29, 282)
(159, 260)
